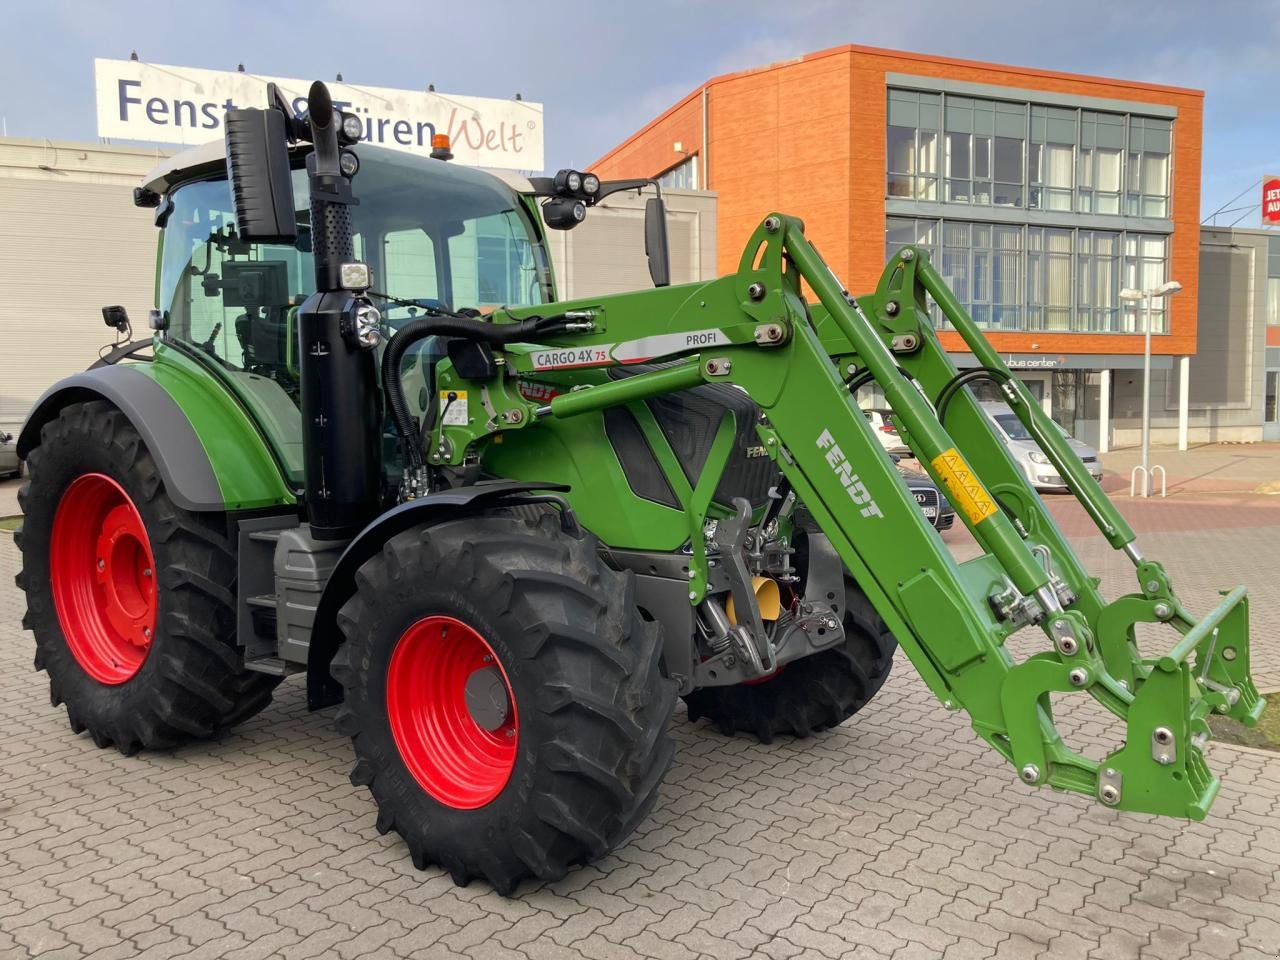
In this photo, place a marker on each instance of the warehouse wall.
(605, 253)
(1227, 370)
(71, 241)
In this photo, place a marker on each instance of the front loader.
(506, 531)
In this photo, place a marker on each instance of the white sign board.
(153, 102)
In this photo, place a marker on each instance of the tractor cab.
(435, 235)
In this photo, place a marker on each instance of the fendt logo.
(844, 470)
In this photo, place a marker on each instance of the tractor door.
(233, 305)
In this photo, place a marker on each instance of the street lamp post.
(1146, 296)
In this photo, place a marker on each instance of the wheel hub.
(452, 713)
(486, 694)
(102, 573)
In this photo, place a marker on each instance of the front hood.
(1024, 447)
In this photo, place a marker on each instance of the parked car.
(937, 509)
(10, 465)
(1040, 472)
(885, 431)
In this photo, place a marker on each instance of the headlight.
(355, 276)
(368, 326)
(352, 128)
(573, 181)
(1038, 457)
(349, 163)
(590, 183)
(562, 213)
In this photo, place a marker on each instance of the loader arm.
(755, 330)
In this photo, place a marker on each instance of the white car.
(1027, 453)
(885, 431)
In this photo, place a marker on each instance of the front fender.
(322, 689)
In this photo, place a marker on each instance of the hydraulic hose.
(445, 326)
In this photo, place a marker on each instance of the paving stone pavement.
(896, 835)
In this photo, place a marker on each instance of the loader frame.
(754, 329)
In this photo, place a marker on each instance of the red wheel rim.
(459, 762)
(102, 573)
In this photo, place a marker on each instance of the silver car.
(10, 465)
(1026, 453)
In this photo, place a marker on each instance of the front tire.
(131, 599)
(504, 698)
(812, 694)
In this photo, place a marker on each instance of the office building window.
(1050, 279)
(1273, 281)
(1144, 269)
(912, 140)
(900, 231)
(1049, 305)
(1008, 155)
(1051, 158)
(1097, 280)
(958, 149)
(1147, 192)
(683, 176)
(1098, 169)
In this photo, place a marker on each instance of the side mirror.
(258, 168)
(655, 241)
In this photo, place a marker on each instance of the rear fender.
(322, 689)
(179, 455)
(209, 452)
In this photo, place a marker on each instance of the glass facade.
(1051, 279)
(1071, 163)
(1026, 155)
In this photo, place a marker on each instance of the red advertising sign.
(1271, 199)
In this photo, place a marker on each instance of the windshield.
(443, 234)
(1012, 426)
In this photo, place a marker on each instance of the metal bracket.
(904, 343)
(1164, 746)
(770, 334)
(717, 366)
(1110, 786)
(731, 538)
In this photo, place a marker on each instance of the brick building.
(1040, 195)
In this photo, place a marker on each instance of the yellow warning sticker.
(453, 408)
(964, 489)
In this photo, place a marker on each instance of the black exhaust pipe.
(341, 408)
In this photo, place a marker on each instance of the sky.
(603, 69)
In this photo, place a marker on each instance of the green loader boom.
(800, 363)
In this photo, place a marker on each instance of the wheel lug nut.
(146, 632)
(102, 564)
(146, 572)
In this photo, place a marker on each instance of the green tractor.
(506, 531)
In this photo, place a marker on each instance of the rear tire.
(131, 599)
(811, 694)
(572, 758)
